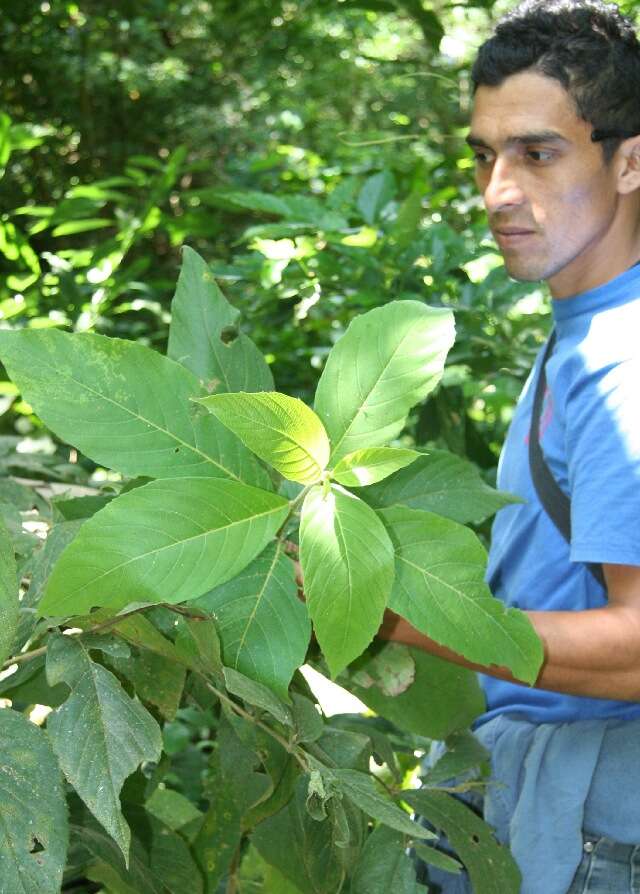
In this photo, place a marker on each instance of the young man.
(556, 136)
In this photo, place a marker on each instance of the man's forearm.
(592, 653)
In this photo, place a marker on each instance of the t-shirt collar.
(623, 288)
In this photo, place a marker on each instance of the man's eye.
(483, 158)
(540, 155)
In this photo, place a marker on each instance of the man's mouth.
(512, 235)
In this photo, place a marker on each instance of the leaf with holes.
(124, 406)
(367, 466)
(33, 815)
(347, 563)
(264, 628)
(440, 589)
(490, 866)
(204, 336)
(387, 361)
(167, 541)
(279, 429)
(100, 735)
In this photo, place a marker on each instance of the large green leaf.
(301, 848)
(279, 429)
(347, 562)
(263, 626)
(444, 483)
(361, 789)
(124, 406)
(490, 866)
(440, 589)
(203, 334)
(364, 467)
(443, 697)
(33, 813)
(387, 361)
(9, 604)
(100, 735)
(385, 867)
(167, 541)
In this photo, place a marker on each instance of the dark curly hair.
(587, 45)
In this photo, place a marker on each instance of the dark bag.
(555, 502)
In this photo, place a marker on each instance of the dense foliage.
(312, 152)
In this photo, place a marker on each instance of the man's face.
(551, 200)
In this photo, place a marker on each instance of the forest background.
(313, 153)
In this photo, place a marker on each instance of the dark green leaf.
(99, 734)
(201, 316)
(490, 866)
(34, 830)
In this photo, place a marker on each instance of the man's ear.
(628, 162)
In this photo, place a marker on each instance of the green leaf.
(34, 830)
(364, 467)
(124, 406)
(203, 335)
(464, 753)
(257, 694)
(82, 226)
(388, 360)
(234, 788)
(307, 720)
(436, 858)
(198, 645)
(440, 589)
(160, 862)
(263, 626)
(347, 563)
(301, 848)
(442, 698)
(137, 548)
(443, 483)
(490, 866)
(385, 867)
(39, 568)
(377, 191)
(100, 735)
(279, 429)
(391, 668)
(155, 680)
(360, 788)
(9, 604)
(172, 808)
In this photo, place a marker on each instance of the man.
(556, 135)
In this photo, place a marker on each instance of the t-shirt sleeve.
(603, 451)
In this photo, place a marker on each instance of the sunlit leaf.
(347, 562)
(279, 429)
(167, 541)
(388, 360)
(364, 467)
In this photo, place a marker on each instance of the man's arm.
(593, 653)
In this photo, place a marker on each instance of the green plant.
(160, 620)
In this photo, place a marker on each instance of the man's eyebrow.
(539, 136)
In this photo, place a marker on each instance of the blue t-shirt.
(590, 436)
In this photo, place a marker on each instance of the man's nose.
(503, 189)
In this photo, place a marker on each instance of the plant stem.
(292, 749)
(293, 507)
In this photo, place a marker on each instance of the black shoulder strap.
(555, 502)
